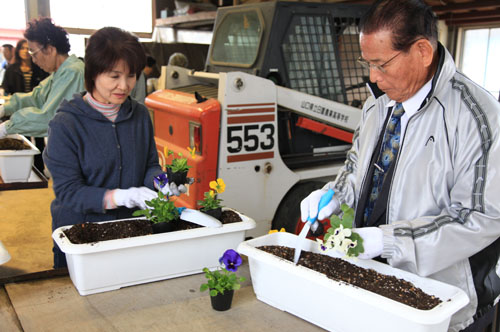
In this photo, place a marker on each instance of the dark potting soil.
(13, 144)
(338, 269)
(94, 232)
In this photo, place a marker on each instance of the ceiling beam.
(476, 14)
(466, 6)
(473, 21)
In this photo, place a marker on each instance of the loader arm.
(323, 116)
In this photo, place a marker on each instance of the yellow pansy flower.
(276, 231)
(192, 151)
(219, 186)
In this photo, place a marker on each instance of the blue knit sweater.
(88, 154)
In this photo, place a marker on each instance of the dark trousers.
(38, 160)
(484, 323)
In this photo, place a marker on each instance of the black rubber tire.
(288, 213)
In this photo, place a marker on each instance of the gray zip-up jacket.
(443, 205)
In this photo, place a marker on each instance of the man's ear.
(426, 51)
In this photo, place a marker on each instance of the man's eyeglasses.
(381, 68)
(31, 52)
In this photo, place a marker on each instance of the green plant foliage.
(178, 164)
(220, 281)
(224, 278)
(161, 209)
(210, 201)
(342, 229)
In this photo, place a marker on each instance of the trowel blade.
(300, 242)
(200, 218)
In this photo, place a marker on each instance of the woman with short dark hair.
(30, 113)
(101, 150)
(23, 76)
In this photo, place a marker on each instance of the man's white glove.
(372, 241)
(3, 129)
(133, 197)
(2, 111)
(309, 206)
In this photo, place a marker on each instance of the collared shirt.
(412, 105)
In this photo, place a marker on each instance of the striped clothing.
(27, 80)
(110, 111)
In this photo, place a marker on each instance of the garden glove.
(170, 188)
(2, 111)
(3, 130)
(372, 241)
(4, 254)
(133, 197)
(309, 206)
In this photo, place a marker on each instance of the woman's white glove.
(133, 197)
(4, 254)
(170, 188)
(3, 129)
(309, 206)
(373, 242)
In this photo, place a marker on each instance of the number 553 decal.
(250, 138)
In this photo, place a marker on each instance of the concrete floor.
(25, 230)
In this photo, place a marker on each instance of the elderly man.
(424, 168)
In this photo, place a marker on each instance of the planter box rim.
(454, 298)
(33, 150)
(90, 248)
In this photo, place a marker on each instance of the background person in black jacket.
(23, 75)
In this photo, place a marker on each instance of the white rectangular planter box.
(338, 306)
(15, 165)
(110, 265)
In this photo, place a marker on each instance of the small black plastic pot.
(222, 302)
(163, 227)
(177, 177)
(216, 213)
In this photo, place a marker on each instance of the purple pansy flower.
(231, 260)
(161, 180)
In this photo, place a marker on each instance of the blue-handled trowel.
(311, 222)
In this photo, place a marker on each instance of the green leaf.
(354, 252)
(203, 287)
(213, 292)
(335, 221)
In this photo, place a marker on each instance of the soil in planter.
(13, 144)
(95, 232)
(338, 269)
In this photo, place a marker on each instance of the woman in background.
(101, 150)
(30, 113)
(22, 76)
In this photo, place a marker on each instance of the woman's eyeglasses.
(32, 53)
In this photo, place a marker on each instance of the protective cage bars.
(315, 66)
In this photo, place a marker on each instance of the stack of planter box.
(15, 165)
